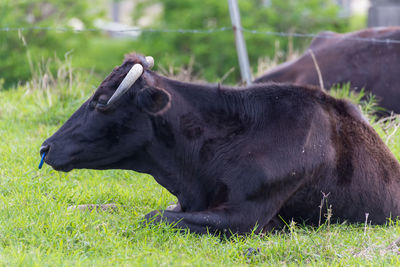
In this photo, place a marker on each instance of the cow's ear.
(153, 100)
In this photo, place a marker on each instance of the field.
(37, 229)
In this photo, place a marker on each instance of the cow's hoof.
(98, 207)
(175, 207)
(153, 217)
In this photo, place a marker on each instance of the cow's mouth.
(59, 167)
(57, 164)
(99, 164)
(65, 168)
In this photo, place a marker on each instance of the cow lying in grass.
(235, 158)
(351, 57)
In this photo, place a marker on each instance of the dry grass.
(265, 64)
(183, 73)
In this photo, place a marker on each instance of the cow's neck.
(178, 162)
(174, 169)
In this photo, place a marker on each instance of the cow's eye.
(103, 99)
(101, 102)
(100, 105)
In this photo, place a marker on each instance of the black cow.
(235, 158)
(362, 58)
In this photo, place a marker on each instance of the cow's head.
(113, 126)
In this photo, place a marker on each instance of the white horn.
(134, 74)
(150, 61)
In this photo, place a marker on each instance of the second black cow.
(235, 158)
(367, 59)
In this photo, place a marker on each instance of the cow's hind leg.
(213, 222)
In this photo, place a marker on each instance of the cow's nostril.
(44, 149)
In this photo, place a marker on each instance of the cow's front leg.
(218, 221)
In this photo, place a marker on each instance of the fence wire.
(204, 31)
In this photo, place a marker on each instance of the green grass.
(37, 229)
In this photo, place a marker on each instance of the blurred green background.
(214, 55)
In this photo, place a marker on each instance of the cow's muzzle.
(46, 149)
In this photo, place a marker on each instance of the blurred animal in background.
(367, 59)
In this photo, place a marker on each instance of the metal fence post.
(240, 43)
